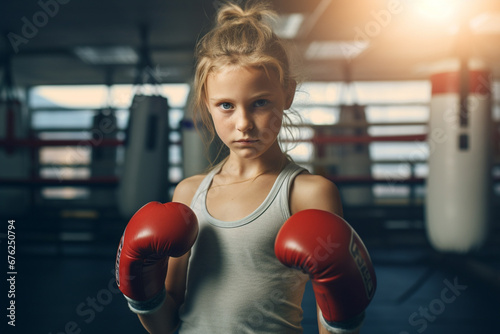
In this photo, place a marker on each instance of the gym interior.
(399, 104)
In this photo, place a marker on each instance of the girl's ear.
(290, 94)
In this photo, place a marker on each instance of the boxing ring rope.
(316, 140)
(35, 143)
(319, 140)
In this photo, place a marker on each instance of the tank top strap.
(284, 194)
(200, 194)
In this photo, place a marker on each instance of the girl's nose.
(244, 122)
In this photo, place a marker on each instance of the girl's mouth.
(247, 141)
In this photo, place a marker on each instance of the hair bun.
(232, 13)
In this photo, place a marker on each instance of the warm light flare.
(439, 10)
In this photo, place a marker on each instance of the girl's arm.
(323, 330)
(166, 319)
(314, 192)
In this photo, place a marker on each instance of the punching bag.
(14, 161)
(459, 137)
(103, 163)
(194, 153)
(145, 171)
(353, 159)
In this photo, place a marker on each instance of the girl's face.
(246, 105)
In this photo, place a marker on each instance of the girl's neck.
(271, 162)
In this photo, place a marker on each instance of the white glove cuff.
(147, 306)
(350, 326)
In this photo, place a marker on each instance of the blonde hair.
(242, 36)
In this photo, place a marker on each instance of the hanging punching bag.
(194, 155)
(103, 163)
(459, 137)
(14, 161)
(194, 151)
(355, 158)
(145, 170)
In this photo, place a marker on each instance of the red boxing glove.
(326, 247)
(155, 232)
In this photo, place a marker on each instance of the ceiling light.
(335, 49)
(108, 55)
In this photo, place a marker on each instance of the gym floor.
(69, 288)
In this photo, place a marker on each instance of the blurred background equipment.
(103, 159)
(14, 160)
(145, 167)
(460, 149)
(144, 177)
(349, 159)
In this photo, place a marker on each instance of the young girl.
(231, 281)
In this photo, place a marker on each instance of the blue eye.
(226, 105)
(261, 103)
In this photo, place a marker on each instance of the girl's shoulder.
(185, 190)
(310, 191)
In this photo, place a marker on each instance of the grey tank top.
(235, 284)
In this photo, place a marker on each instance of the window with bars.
(391, 109)
(62, 118)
